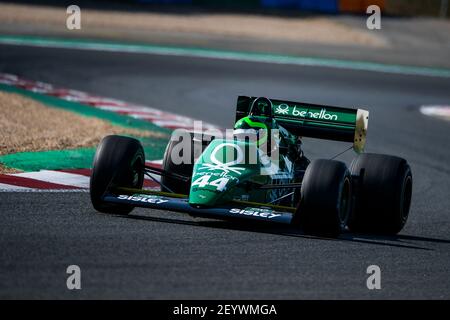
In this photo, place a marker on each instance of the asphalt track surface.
(155, 254)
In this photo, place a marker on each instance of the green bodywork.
(217, 174)
(234, 169)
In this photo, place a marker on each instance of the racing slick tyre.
(175, 148)
(118, 161)
(383, 194)
(325, 198)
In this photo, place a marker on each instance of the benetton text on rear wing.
(315, 121)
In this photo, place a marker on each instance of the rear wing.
(315, 121)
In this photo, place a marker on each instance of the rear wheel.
(325, 198)
(384, 193)
(119, 161)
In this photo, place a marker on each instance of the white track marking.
(442, 112)
(159, 162)
(157, 178)
(64, 178)
(209, 53)
(10, 187)
(69, 179)
(44, 190)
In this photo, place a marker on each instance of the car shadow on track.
(289, 231)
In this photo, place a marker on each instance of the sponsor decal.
(204, 181)
(256, 212)
(143, 198)
(226, 167)
(284, 109)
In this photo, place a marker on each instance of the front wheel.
(325, 198)
(118, 162)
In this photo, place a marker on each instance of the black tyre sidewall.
(112, 166)
(384, 194)
(320, 211)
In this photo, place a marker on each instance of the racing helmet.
(252, 125)
(261, 107)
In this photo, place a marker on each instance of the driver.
(260, 122)
(251, 126)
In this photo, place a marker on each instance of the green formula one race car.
(258, 171)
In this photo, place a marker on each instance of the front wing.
(174, 202)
